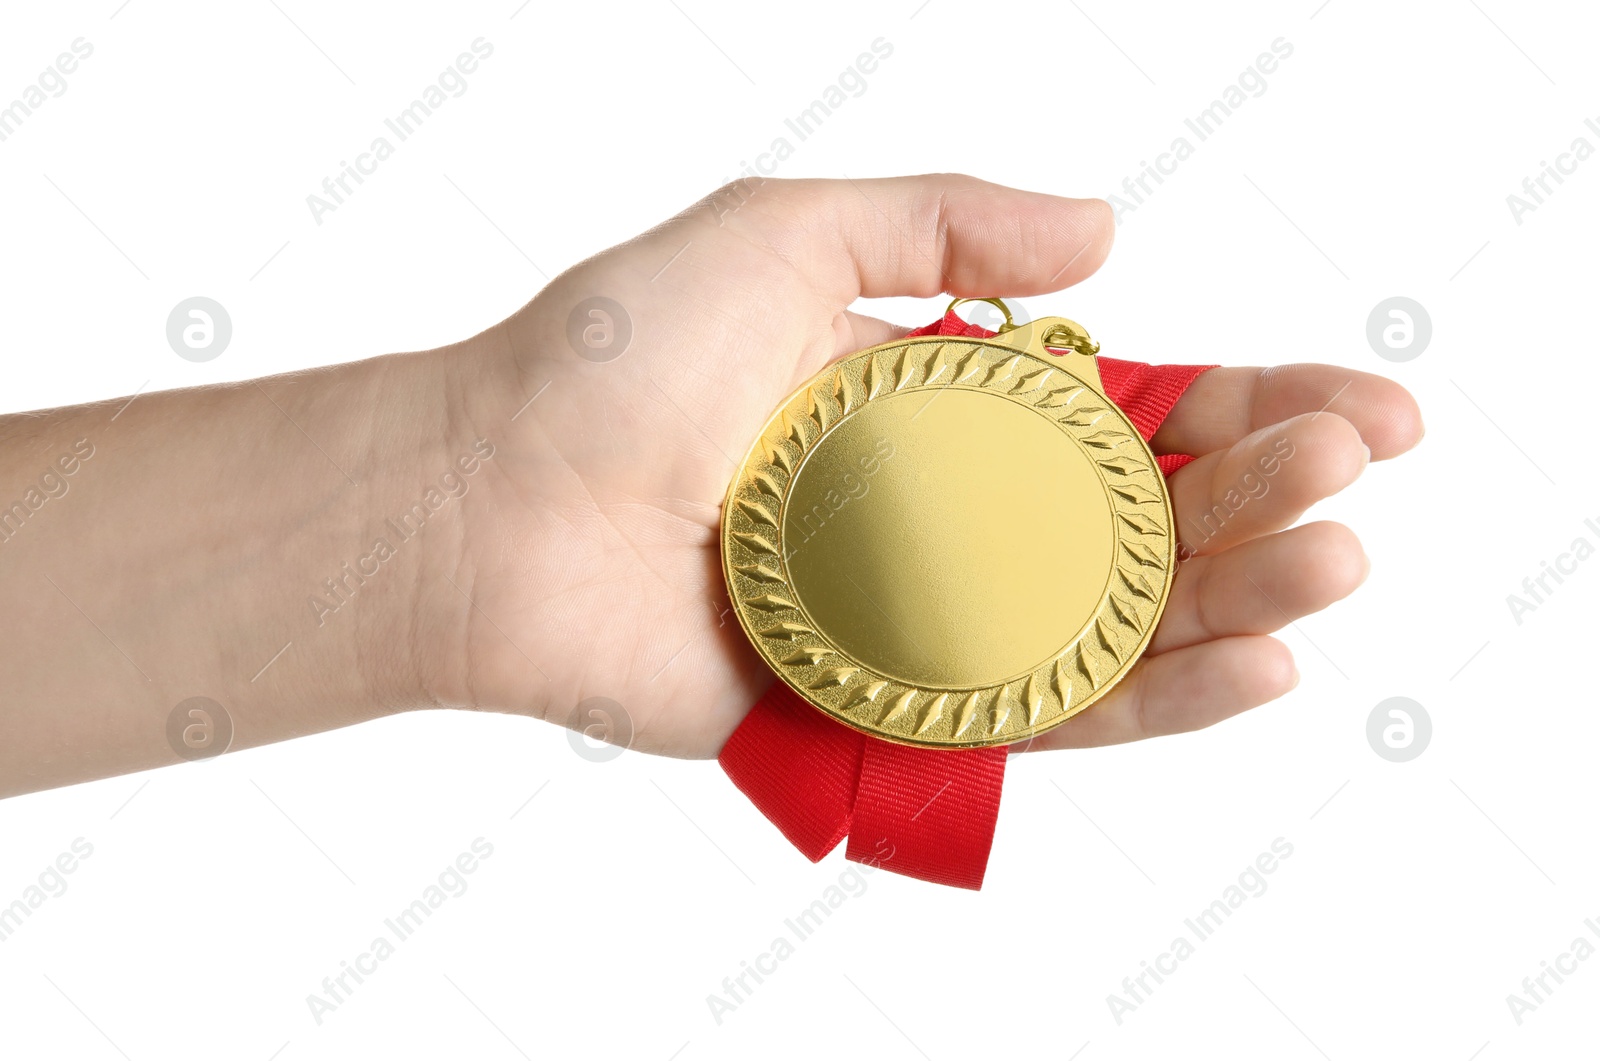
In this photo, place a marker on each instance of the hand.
(590, 552)
(240, 542)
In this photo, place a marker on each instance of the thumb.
(926, 235)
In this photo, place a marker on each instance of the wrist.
(402, 590)
(465, 650)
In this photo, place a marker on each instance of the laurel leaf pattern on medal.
(865, 695)
(795, 427)
(845, 390)
(1063, 684)
(1032, 381)
(1087, 666)
(1106, 440)
(1109, 639)
(875, 381)
(756, 542)
(1116, 438)
(899, 707)
(759, 572)
(834, 676)
(1002, 371)
(1121, 465)
(1032, 701)
(932, 713)
(1057, 398)
(819, 407)
(969, 365)
(1125, 612)
(1137, 584)
(758, 513)
(1142, 554)
(771, 602)
(788, 632)
(999, 711)
(905, 370)
(935, 366)
(1135, 494)
(767, 485)
(777, 452)
(1140, 522)
(965, 714)
(1085, 416)
(807, 656)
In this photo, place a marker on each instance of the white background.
(1376, 163)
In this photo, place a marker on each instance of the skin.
(581, 559)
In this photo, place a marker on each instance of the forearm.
(177, 545)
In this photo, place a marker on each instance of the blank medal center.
(949, 539)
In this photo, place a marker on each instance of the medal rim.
(754, 452)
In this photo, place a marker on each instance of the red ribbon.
(923, 812)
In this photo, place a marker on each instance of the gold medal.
(951, 542)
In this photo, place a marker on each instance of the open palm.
(589, 564)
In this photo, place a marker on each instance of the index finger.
(1226, 404)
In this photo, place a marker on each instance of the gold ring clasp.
(996, 303)
(1059, 334)
(1070, 335)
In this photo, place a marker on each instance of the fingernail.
(1296, 680)
(1365, 570)
(1368, 458)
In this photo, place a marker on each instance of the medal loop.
(1070, 335)
(1066, 335)
(999, 304)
